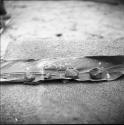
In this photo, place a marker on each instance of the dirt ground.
(41, 29)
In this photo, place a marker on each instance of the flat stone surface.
(62, 29)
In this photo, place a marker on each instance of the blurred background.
(47, 29)
(72, 28)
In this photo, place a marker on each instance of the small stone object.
(97, 74)
(71, 73)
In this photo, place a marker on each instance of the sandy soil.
(85, 28)
(62, 29)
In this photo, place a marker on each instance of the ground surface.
(62, 29)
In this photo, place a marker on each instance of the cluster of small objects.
(51, 72)
(57, 70)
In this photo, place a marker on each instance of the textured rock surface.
(62, 29)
